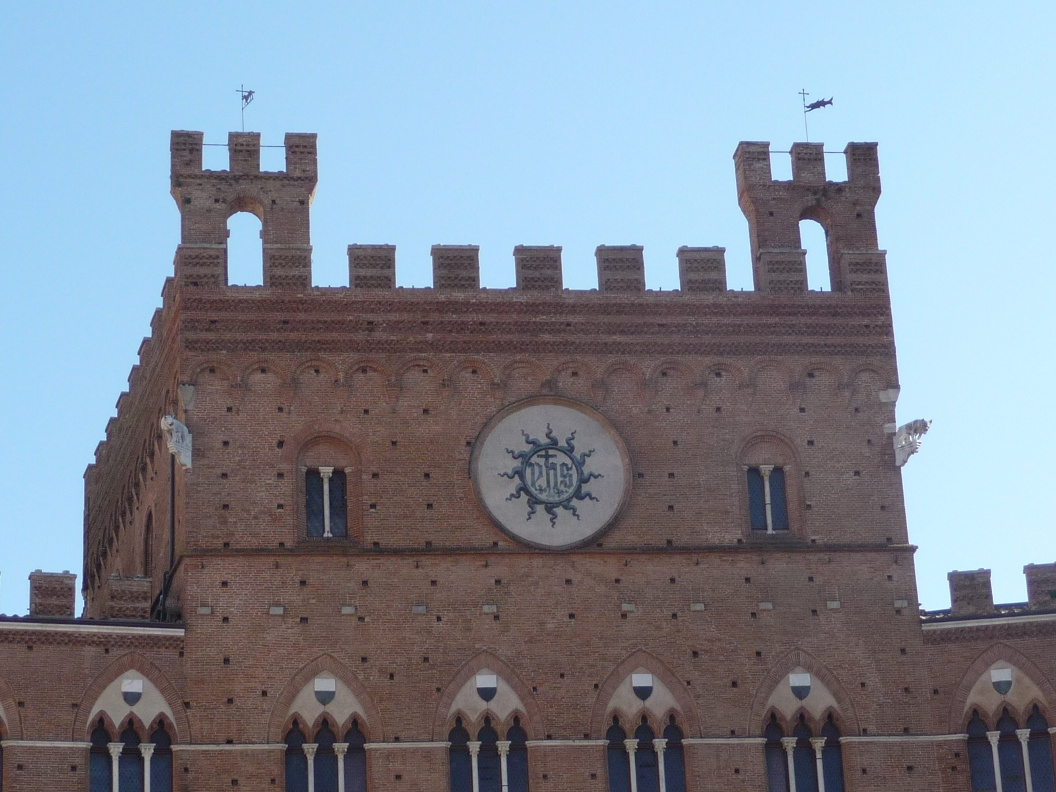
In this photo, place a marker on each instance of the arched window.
(1039, 749)
(674, 759)
(517, 760)
(245, 251)
(803, 758)
(646, 768)
(831, 758)
(325, 771)
(328, 484)
(296, 760)
(776, 759)
(161, 761)
(980, 757)
(771, 485)
(1010, 755)
(619, 763)
(100, 769)
(461, 765)
(814, 239)
(355, 760)
(130, 762)
(489, 774)
(767, 500)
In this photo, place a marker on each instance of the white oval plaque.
(551, 472)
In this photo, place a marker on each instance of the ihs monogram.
(550, 475)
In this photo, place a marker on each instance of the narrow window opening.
(245, 251)
(814, 239)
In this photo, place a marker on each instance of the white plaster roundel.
(551, 472)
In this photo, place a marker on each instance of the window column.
(789, 744)
(1024, 744)
(504, 749)
(659, 744)
(818, 743)
(632, 746)
(474, 761)
(994, 737)
(340, 749)
(765, 471)
(115, 749)
(324, 474)
(147, 749)
(309, 751)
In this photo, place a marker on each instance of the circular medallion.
(551, 472)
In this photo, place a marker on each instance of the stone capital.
(310, 749)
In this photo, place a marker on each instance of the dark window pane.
(1013, 777)
(99, 773)
(832, 758)
(355, 770)
(674, 760)
(313, 506)
(461, 764)
(647, 768)
(776, 768)
(325, 771)
(756, 500)
(338, 504)
(461, 770)
(779, 504)
(296, 761)
(1039, 751)
(130, 773)
(488, 771)
(161, 772)
(980, 758)
(355, 760)
(517, 765)
(619, 768)
(804, 760)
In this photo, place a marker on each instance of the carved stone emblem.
(551, 472)
(550, 475)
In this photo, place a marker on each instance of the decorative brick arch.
(316, 363)
(12, 717)
(847, 716)
(373, 726)
(643, 659)
(999, 651)
(132, 661)
(483, 368)
(221, 370)
(486, 659)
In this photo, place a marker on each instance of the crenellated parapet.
(774, 209)
(846, 210)
(281, 201)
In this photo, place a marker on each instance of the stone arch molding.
(351, 700)
(827, 695)
(976, 691)
(513, 696)
(10, 718)
(104, 697)
(616, 696)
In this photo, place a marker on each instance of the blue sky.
(568, 123)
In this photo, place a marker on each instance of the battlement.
(774, 209)
(846, 210)
(280, 199)
(972, 596)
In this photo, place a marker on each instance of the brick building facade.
(464, 538)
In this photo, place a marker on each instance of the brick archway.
(643, 659)
(782, 667)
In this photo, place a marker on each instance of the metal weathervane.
(815, 105)
(247, 98)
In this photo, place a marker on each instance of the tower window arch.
(100, 766)
(1039, 751)
(355, 759)
(771, 486)
(460, 762)
(245, 250)
(328, 480)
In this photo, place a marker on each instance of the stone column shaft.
(994, 737)
(789, 744)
